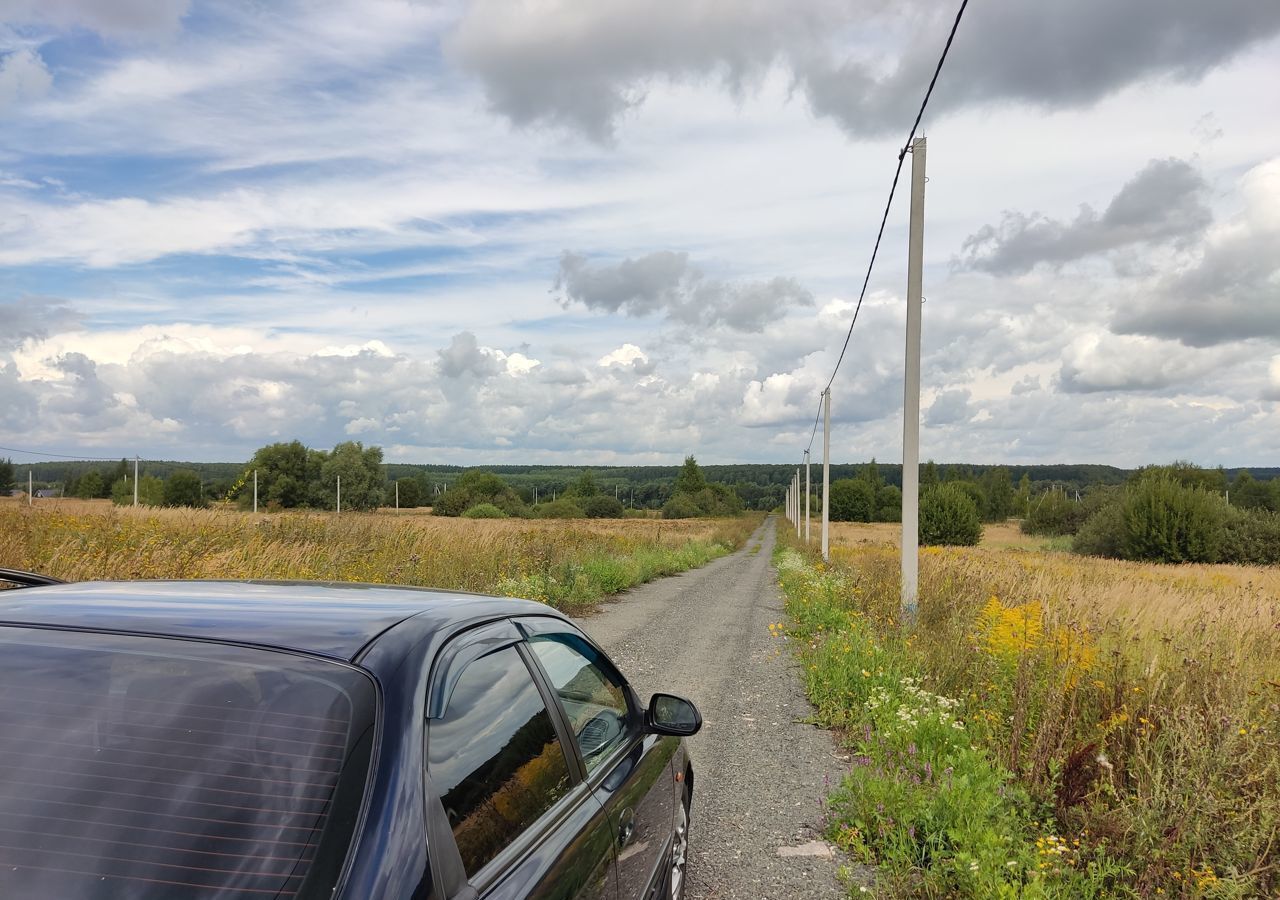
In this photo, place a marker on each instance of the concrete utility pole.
(135, 481)
(806, 498)
(30, 482)
(911, 388)
(826, 471)
(797, 483)
(255, 490)
(339, 495)
(397, 496)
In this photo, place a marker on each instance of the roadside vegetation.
(1048, 725)
(568, 565)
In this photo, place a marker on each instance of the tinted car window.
(494, 757)
(143, 768)
(591, 694)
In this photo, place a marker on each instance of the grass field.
(1049, 725)
(566, 563)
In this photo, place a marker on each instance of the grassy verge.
(1002, 748)
(566, 564)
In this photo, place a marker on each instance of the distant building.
(47, 493)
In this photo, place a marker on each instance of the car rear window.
(135, 767)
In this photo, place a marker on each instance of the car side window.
(494, 757)
(590, 692)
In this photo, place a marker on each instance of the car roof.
(335, 619)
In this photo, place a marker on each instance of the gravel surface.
(760, 774)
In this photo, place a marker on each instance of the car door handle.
(626, 826)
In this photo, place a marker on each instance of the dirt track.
(760, 774)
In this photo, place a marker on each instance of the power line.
(893, 188)
(61, 455)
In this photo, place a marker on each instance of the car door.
(513, 817)
(629, 771)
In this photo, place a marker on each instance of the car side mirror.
(672, 715)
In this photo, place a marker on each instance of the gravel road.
(760, 774)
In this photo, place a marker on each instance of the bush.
(852, 500)
(681, 506)
(948, 515)
(476, 487)
(1252, 537)
(1102, 534)
(183, 488)
(602, 507)
(888, 504)
(1051, 515)
(1166, 521)
(484, 511)
(559, 509)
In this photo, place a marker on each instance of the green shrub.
(484, 511)
(558, 509)
(1051, 514)
(1251, 537)
(1103, 533)
(475, 487)
(681, 506)
(184, 489)
(1166, 521)
(888, 503)
(602, 506)
(852, 500)
(948, 515)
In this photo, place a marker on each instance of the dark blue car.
(296, 740)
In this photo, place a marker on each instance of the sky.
(618, 232)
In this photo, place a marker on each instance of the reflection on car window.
(592, 697)
(138, 767)
(494, 757)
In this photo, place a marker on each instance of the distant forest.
(758, 485)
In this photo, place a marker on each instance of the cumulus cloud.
(667, 282)
(1166, 201)
(33, 318)
(585, 64)
(1108, 362)
(1272, 390)
(949, 408)
(23, 77)
(465, 356)
(1232, 289)
(110, 18)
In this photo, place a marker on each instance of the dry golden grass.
(1145, 597)
(562, 561)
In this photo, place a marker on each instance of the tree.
(888, 504)
(928, 475)
(1249, 493)
(585, 486)
(360, 469)
(89, 486)
(183, 488)
(998, 498)
(1024, 495)
(474, 487)
(284, 472)
(410, 493)
(6, 477)
(871, 474)
(852, 500)
(948, 515)
(690, 480)
(150, 491)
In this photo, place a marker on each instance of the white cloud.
(625, 355)
(23, 77)
(112, 18)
